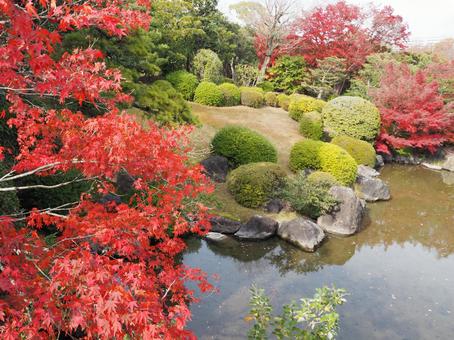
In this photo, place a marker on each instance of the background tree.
(207, 66)
(289, 74)
(328, 77)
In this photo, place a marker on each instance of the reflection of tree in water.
(242, 251)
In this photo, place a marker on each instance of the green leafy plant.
(302, 104)
(305, 155)
(208, 93)
(246, 75)
(289, 74)
(323, 177)
(363, 152)
(311, 125)
(184, 82)
(207, 66)
(231, 93)
(338, 162)
(252, 96)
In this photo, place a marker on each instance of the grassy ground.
(273, 123)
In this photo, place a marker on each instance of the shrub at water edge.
(305, 155)
(208, 93)
(231, 93)
(363, 152)
(252, 96)
(184, 82)
(322, 177)
(337, 162)
(311, 125)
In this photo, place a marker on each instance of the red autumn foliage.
(412, 111)
(112, 270)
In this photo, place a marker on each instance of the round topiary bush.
(271, 99)
(208, 93)
(361, 151)
(311, 125)
(302, 104)
(351, 116)
(338, 162)
(253, 184)
(241, 145)
(252, 96)
(305, 155)
(231, 93)
(184, 82)
(207, 66)
(283, 101)
(322, 177)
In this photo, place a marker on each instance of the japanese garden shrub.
(253, 184)
(338, 162)
(231, 93)
(351, 116)
(321, 176)
(252, 96)
(283, 101)
(266, 86)
(208, 93)
(302, 104)
(9, 203)
(308, 197)
(363, 152)
(305, 155)
(241, 145)
(271, 99)
(184, 82)
(311, 125)
(207, 66)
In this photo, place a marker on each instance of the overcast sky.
(428, 20)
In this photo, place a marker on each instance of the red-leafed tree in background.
(412, 111)
(112, 269)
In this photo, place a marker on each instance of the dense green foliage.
(327, 79)
(302, 104)
(184, 82)
(252, 96)
(363, 152)
(283, 101)
(351, 116)
(241, 145)
(231, 93)
(311, 125)
(322, 177)
(271, 99)
(253, 184)
(289, 74)
(208, 93)
(246, 75)
(309, 197)
(207, 66)
(337, 162)
(304, 155)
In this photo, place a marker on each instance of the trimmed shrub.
(231, 93)
(283, 101)
(208, 66)
(252, 96)
(271, 99)
(300, 105)
(308, 197)
(351, 116)
(241, 145)
(266, 86)
(322, 177)
(338, 162)
(184, 82)
(311, 125)
(208, 93)
(361, 151)
(253, 184)
(305, 155)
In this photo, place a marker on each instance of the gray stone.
(224, 225)
(347, 218)
(274, 206)
(301, 232)
(258, 228)
(431, 166)
(448, 177)
(216, 237)
(379, 161)
(448, 164)
(216, 167)
(372, 189)
(367, 171)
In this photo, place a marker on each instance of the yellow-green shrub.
(305, 155)
(184, 82)
(311, 125)
(283, 101)
(338, 162)
(303, 104)
(208, 93)
(231, 93)
(271, 99)
(322, 177)
(252, 96)
(253, 184)
(363, 152)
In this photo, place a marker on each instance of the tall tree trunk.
(262, 72)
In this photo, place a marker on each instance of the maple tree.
(112, 270)
(413, 113)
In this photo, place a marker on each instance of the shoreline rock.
(302, 233)
(257, 228)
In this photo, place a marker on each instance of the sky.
(429, 21)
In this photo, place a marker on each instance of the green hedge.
(363, 152)
(302, 104)
(311, 125)
(252, 96)
(283, 101)
(337, 162)
(241, 145)
(351, 116)
(271, 99)
(252, 185)
(184, 82)
(208, 93)
(231, 93)
(304, 155)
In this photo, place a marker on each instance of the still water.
(399, 271)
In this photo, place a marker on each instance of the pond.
(399, 271)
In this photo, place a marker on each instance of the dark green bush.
(241, 145)
(351, 116)
(363, 152)
(184, 82)
(266, 86)
(253, 184)
(283, 101)
(208, 93)
(337, 162)
(231, 93)
(9, 203)
(289, 74)
(271, 99)
(252, 96)
(309, 198)
(311, 125)
(302, 104)
(304, 155)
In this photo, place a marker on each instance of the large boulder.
(258, 228)
(216, 237)
(448, 164)
(301, 232)
(369, 187)
(224, 225)
(347, 218)
(379, 161)
(275, 206)
(367, 171)
(216, 167)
